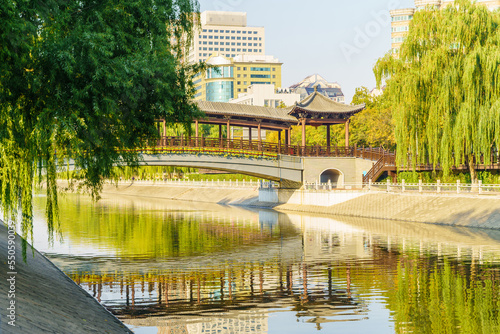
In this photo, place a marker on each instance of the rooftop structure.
(332, 90)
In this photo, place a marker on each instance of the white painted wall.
(305, 197)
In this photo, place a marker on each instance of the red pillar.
(196, 131)
(347, 133)
(328, 136)
(260, 137)
(279, 141)
(303, 133)
(228, 132)
(220, 135)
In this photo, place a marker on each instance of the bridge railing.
(223, 145)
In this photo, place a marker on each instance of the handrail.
(228, 145)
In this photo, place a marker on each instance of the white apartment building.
(401, 18)
(227, 34)
(267, 96)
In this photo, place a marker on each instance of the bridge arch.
(335, 176)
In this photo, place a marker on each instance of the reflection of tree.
(446, 298)
(131, 231)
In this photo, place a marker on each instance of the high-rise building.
(401, 18)
(231, 77)
(400, 25)
(227, 34)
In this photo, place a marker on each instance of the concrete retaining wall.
(447, 210)
(226, 196)
(305, 197)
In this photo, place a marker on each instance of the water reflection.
(163, 267)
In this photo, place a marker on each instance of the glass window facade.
(220, 72)
(260, 76)
(220, 91)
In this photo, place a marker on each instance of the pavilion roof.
(247, 111)
(317, 103)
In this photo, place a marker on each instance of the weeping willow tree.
(445, 87)
(85, 80)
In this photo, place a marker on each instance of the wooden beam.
(236, 122)
(319, 122)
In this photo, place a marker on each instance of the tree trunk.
(472, 170)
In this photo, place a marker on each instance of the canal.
(177, 267)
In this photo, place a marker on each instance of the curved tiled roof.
(243, 110)
(318, 103)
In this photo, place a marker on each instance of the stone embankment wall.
(219, 195)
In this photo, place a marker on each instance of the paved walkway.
(46, 300)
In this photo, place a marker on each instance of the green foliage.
(432, 177)
(373, 126)
(86, 80)
(444, 87)
(445, 298)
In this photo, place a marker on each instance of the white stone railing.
(252, 184)
(403, 187)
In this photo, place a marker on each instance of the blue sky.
(340, 40)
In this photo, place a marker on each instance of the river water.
(178, 267)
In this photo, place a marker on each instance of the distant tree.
(86, 79)
(374, 125)
(444, 88)
(362, 95)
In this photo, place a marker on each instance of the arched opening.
(334, 176)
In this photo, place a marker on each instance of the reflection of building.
(230, 77)
(254, 321)
(306, 87)
(401, 18)
(226, 33)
